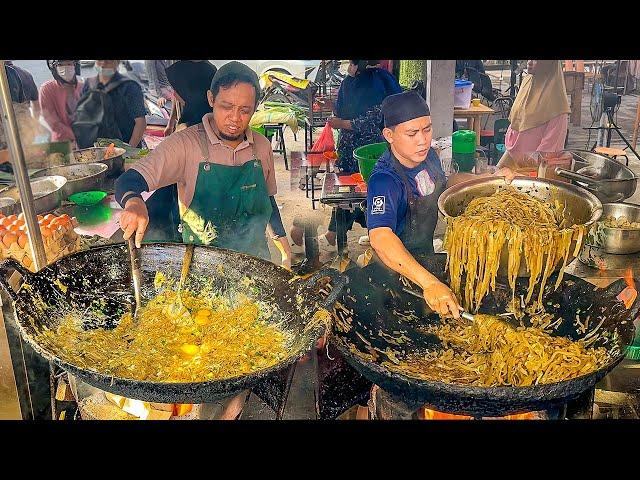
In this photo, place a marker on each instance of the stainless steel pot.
(96, 154)
(81, 177)
(582, 207)
(620, 241)
(607, 179)
(47, 195)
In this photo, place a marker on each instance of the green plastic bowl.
(87, 199)
(367, 157)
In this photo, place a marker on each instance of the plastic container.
(462, 90)
(463, 147)
(87, 199)
(463, 141)
(464, 162)
(367, 156)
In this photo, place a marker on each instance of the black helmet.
(52, 64)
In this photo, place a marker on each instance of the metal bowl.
(96, 154)
(607, 179)
(81, 177)
(582, 207)
(620, 241)
(47, 195)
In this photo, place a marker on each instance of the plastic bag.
(325, 142)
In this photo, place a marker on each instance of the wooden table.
(474, 116)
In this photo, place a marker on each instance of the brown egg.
(22, 241)
(46, 231)
(9, 239)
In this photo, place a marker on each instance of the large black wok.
(375, 320)
(102, 276)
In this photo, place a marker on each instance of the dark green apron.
(230, 206)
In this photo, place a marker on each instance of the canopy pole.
(20, 172)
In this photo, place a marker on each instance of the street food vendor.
(224, 172)
(402, 197)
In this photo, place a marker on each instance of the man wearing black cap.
(402, 197)
(402, 214)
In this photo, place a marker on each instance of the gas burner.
(596, 257)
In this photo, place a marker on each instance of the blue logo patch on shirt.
(378, 205)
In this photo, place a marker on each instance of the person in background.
(462, 65)
(17, 98)
(190, 80)
(359, 119)
(59, 98)
(29, 87)
(127, 100)
(158, 82)
(29, 127)
(539, 116)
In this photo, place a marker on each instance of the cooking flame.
(428, 414)
(629, 294)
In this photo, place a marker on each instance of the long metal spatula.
(136, 275)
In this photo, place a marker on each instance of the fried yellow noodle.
(522, 223)
(209, 338)
(489, 352)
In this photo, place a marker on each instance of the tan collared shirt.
(177, 159)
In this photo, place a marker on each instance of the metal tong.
(466, 315)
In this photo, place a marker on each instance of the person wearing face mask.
(125, 98)
(59, 98)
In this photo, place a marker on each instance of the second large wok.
(101, 277)
(376, 305)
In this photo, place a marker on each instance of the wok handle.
(7, 267)
(337, 279)
(576, 176)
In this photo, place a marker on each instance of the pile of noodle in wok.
(524, 225)
(205, 336)
(489, 352)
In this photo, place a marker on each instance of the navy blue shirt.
(386, 196)
(129, 105)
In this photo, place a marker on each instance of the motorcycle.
(283, 88)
